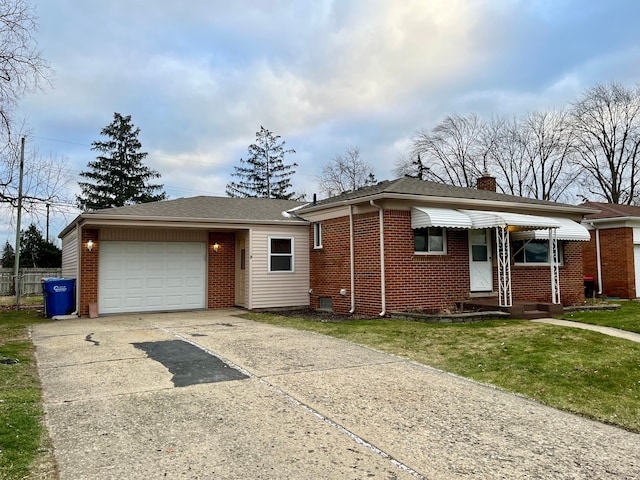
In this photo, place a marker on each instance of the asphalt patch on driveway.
(189, 364)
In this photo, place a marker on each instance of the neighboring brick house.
(414, 245)
(612, 257)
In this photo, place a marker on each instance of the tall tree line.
(593, 144)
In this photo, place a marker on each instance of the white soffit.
(422, 217)
(568, 230)
(487, 219)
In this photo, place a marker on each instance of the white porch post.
(555, 270)
(504, 266)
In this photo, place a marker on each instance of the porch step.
(534, 314)
(519, 309)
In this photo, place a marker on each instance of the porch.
(520, 309)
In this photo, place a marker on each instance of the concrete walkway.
(310, 407)
(613, 332)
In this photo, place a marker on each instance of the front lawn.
(24, 445)
(575, 370)
(627, 318)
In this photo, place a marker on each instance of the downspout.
(598, 260)
(75, 313)
(383, 287)
(352, 259)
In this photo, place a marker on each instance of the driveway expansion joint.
(345, 431)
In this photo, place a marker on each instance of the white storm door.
(480, 269)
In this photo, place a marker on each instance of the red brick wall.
(534, 283)
(416, 282)
(329, 266)
(589, 259)
(221, 273)
(616, 256)
(88, 283)
(413, 282)
(423, 282)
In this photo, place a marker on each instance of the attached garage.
(186, 254)
(151, 276)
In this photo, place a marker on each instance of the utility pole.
(48, 205)
(18, 218)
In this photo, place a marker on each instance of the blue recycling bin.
(59, 296)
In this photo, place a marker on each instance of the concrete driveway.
(310, 407)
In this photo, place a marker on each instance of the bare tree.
(411, 165)
(505, 156)
(455, 151)
(46, 181)
(22, 67)
(22, 70)
(346, 172)
(606, 120)
(548, 146)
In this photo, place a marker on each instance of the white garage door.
(151, 276)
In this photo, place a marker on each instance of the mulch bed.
(317, 316)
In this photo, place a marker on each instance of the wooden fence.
(30, 280)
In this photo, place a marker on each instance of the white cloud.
(199, 80)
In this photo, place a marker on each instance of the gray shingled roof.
(414, 186)
(208, 208)
(611, 210)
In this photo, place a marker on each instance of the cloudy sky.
(200, 77)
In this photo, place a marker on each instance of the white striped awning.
(487, 219)
(524, 226)
(422, 217)
(568, 230)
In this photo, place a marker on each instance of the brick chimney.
(486, 182)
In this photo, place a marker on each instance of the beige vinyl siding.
(279, 289)
(152, 235)
(70, 255)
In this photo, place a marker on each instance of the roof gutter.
(130, 221)
(453, 202)
(612, 220)
(383, 287)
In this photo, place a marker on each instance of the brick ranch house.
(612, 256)
(414, 245)
(401, 245)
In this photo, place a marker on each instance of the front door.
(480, 270)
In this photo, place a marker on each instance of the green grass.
(627, 318)
(24, 444)
(29, 300)
(575, 370)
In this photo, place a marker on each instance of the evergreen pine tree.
(8, 256)
(36, 252)
(118, 176)
(264, 174)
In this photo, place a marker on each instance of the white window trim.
(538, 264)
(444, 244)
(317, 235)
(292, 255)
